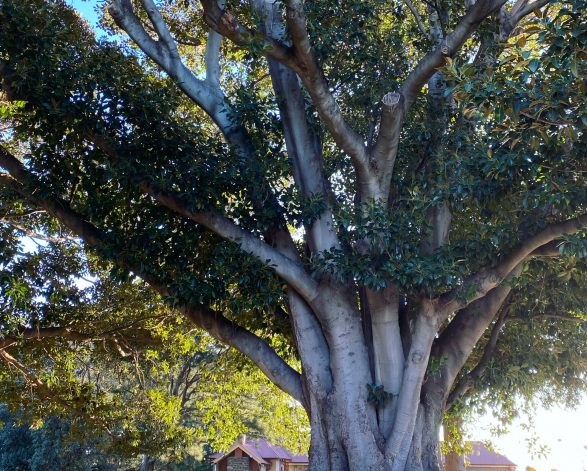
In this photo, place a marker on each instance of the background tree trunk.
(148, 463)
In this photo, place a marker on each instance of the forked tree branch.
(205, 93)
(164, 52)
(468, 381)
(451, 44)
(383, 153)
(458, 340)
(223, 21)
(160, 27)
(486, 279)
(301, 60)
(392, 117)
(24, 183)
(291, 272)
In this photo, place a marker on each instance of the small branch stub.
(444, 49)
(391, 99)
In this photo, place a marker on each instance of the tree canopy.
(380, 204)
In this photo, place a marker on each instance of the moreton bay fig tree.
(381, 185)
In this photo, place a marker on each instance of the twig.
(417, 18)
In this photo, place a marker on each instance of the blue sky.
(86, 9)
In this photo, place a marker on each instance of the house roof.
(481, 456)
(261, 450)
(299, 459)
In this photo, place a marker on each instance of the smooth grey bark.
(409, 397)
(388, 354)
(457, 341)
(303, 146)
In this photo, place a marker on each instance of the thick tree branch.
(213, 44)
(224, 22)
(381, 319)
(301, 60)
(468, 381)
(161, 28)
(212, 60)
(457, 341)
(525, 9)
(313, 78)
(74, 332)
(217, 325)
(206, 94)
(303, 145)
(550, 250)
(309, 335)
(36, 235)
(287, 269)
(479, 284)
(451, 44)
(221, 328)
(52, 332)
(413, 376)
(385, 149)
(396, 104)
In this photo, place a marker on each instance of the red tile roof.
(481, 456)
(299, 459)
(261, 448)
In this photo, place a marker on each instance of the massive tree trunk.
(336, 445)
(358, 424)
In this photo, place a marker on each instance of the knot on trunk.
(417, 357)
